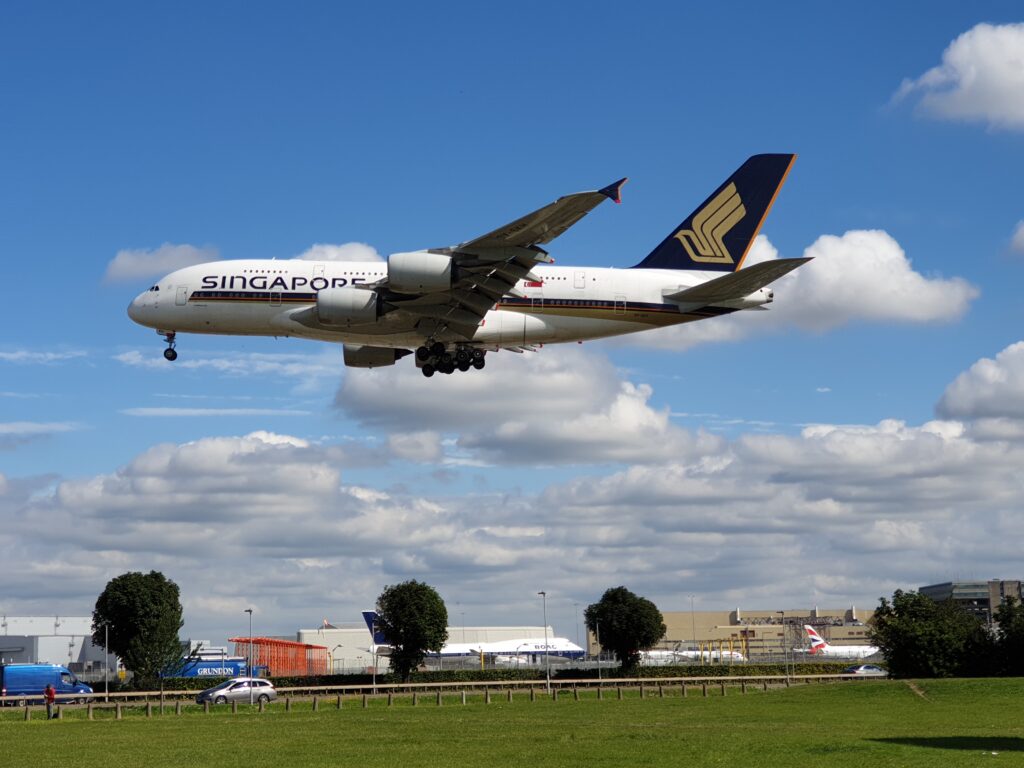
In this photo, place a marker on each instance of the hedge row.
(500, 675)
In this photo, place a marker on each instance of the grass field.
(869, 723)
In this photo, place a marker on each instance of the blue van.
(31, 680)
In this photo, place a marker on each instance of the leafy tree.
(414, 620)
(923, 638)
(142, 613)
(626, 624)
(1009, 638)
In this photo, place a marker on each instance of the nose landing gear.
(170, 353)
(434, 358)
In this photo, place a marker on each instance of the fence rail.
(144, 697)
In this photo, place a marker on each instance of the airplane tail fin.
(818, 643)
(370, 617)
(717, 236)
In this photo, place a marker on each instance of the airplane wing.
(547, 223)
(489, 266)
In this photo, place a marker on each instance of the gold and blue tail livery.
(717, 236)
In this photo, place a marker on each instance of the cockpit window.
(154, 288)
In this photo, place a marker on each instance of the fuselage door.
(620, 305)
(181, 298)
(579, 279)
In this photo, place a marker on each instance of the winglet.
(614, 191)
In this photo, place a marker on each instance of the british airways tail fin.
(370, 617)
(717, 236)
(818, 643)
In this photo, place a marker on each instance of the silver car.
(240, 689)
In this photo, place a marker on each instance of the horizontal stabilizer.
(736, 285)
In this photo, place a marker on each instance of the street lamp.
(597, 639)
(249, 611)
(334, 663)
(785, 645)
(106, 662)
(693, 621)
(547, 658)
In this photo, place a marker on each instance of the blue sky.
(256, 130)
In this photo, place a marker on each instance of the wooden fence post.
(509, 694)
(88, 710)
(287, 703)
(533, 694)
(206, 707)
(618, 691)
(117, 710)
(575, 693)
(149, 709)
(316, 703)
(261, 707)
(600, 693)
(339, 701)
(704, 690)
(743, 686)
(439, 698)
(390, 699)
(487, 695)
(234, 707)
(28, 712)
(415, 698)
(463, 697)
(683, 687)
(722, 685)
(661, 692)
(643, 693)
(366, 701)
(177, 707)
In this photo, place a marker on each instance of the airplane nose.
(135, 309)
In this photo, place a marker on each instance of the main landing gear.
(435, 358)
(170, 353)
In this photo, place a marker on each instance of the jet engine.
(347, 306)
(419, 272)
(358, 356)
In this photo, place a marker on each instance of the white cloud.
(863, 275)
(14, 433)
(137, 264)
(309, 370)
(205, 412)
(421, 447)
(27, 357)
(344, 252)
(1017, 241)
(563, 406)
(980, 79)
(989, 389)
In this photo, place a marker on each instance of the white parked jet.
(821, 648)
(497, 291)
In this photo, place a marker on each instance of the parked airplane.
(498, 291)
(527, 649)
(821, 648)
(667, 658)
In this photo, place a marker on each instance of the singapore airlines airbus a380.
(497, 291)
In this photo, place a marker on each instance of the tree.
(1009, 638)
(142, 616)
(625, 624)
(923, 638)
(413, 619)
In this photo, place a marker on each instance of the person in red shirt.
(51, 696)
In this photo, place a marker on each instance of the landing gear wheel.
(446, 359)
(478, 363)
(170, 354)
(478, 354)
(462, 356)
(437, 349)
(422, 354)
(428, 370)
(446, 368)
(464, 366)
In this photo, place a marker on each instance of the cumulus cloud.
(568, 407)
(980, 79)
(1017, 241)
(863, 275)
(990, 395)
(137, 264)
(344, 252)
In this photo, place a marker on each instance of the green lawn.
(868, 723)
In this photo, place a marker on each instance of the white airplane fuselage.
(566, 304)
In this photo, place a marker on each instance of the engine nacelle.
(358, 356)
(347, 306)
(419, 272)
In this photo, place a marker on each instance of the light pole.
(693, 621)
(785, 645)
(547, 658)
(597, 639)
(334, 664)
(249, 611)
(106, 662)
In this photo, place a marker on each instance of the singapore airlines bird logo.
(712, 223)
